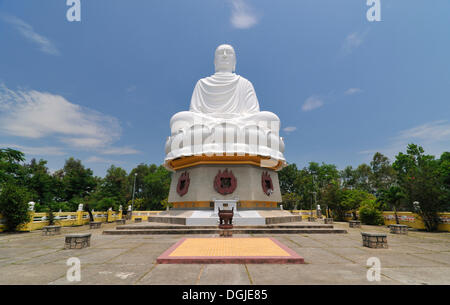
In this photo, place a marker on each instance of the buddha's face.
(225, 58)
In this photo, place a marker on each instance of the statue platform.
(251, 222)
(211, 218)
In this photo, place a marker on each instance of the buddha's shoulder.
(214, 79)
(245, 81)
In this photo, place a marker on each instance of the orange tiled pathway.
(229, 250)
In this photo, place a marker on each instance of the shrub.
(290, 201)
(353, 199)
(50, 209)
(14, 206)
(106, 203)
(165, 203)
(139, 204)
(370, 213)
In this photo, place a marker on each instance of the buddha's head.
(225, 58)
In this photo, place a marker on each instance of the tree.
(287, 177)
(331, 198)
(77, 181)
(420, 177)
(115, 185)
(363, 174)
(290, 201)
(393, 197)
(351, 200)
(10, 167)
(371, 213)
(139, 204)
(304, 187)
(105, 203)
(156, 188)
(14, 205)
(40, 182)
(348, 176)
(142, 170)
(359, 178)
(444, 179)
(383, 175)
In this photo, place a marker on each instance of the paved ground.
(418, 258)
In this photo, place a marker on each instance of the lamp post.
(314, 193)
(134, 189)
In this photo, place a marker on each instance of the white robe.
(224, 98)
(224, 93)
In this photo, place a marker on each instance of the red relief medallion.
(183, 184)
(266, 183)
(225, 182)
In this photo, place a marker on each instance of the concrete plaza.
(416, 258)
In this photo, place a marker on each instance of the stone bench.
(399, 229)
(51, 230)
(138, 220)
(374, 240)
(95, 225)
(354, 224)
(120, 221)
(328, 220)
(77, 241)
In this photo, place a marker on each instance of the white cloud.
(434, 137)
(352, 91)
(39, 151)
(430, 132)
(85, 142)
(242, 15)
(33, 114)
(290, 129)
(353, 41)
(119, 151)
(95, 159)
(27, 31)
(311, 103)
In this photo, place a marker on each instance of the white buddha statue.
(224, 98)
(224, 94)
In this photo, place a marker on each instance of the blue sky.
(103, 90)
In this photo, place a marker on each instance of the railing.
(415, 221)
(143, 214)
(406, 218)
(64, 219)
(79, 218)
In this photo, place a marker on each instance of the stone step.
(180, 220)
(217, 231)
(162, 227)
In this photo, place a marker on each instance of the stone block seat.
(374, 240)
(77, 241)
(328, 220)
(354, 224)
(51, 230)
(398, 229)
(120, 221)
(95, 225)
